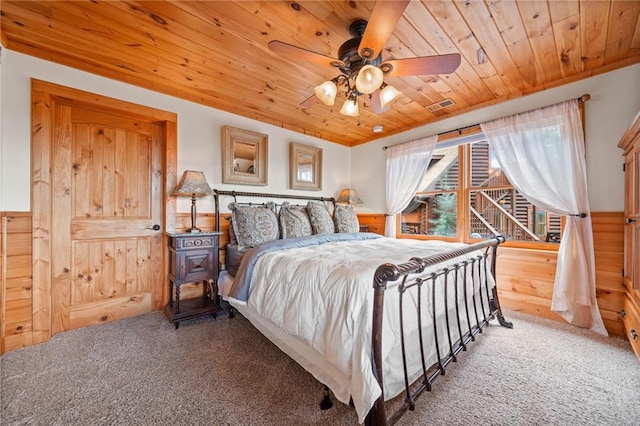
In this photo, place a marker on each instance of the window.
(465, 195)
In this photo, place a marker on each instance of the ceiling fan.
(360, 63)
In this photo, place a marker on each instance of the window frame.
(464, 139)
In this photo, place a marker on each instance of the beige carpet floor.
(141, 371)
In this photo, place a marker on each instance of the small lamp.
(193, 184)
(349, 196)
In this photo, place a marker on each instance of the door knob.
(155, 227)
(629, 220)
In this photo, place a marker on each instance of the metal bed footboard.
(467, 322)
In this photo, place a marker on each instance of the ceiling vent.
(439, 105)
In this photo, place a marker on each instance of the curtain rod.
(583, 98)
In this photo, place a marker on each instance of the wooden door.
(106, 211)
(106, 201)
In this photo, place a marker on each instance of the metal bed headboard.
(217, 193)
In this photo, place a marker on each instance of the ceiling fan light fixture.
(361, 66)
(326, 92)
(350, 108)
(388, 94)
(369, 79)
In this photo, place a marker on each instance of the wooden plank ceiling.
(215, 52)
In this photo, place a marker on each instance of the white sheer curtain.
(542, 153)
(406, 165)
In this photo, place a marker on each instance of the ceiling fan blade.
(295, 52)
(383, 20)
(309, 102)
(423, 65)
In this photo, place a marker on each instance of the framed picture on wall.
(244, 156)
(305, 167)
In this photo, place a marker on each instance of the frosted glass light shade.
(326, 92)
(388, 95)
(350, 108)
(369, 79)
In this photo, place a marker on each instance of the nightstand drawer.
(193, 242)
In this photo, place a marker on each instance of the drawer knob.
(634, 335)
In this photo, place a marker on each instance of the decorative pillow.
(254, 225)
(321, 222)
(345, 218)
(294, 221)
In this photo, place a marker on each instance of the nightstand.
(193, 258)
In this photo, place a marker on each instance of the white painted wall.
(615, 101)
(2, 96)
(199, 134)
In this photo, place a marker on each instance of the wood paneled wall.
(525, 277)
(16, 290)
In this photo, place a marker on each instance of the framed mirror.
(244, 156)
(305, 167)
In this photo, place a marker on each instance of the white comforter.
(323, 295)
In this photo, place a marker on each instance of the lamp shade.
(350, 108)
(369, 79)
(349, 196)
(192, 183)
(326, 92)
(388, 94)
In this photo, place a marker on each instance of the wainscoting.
(525, 277)
(16, 289)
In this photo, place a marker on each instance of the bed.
(374, 319)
